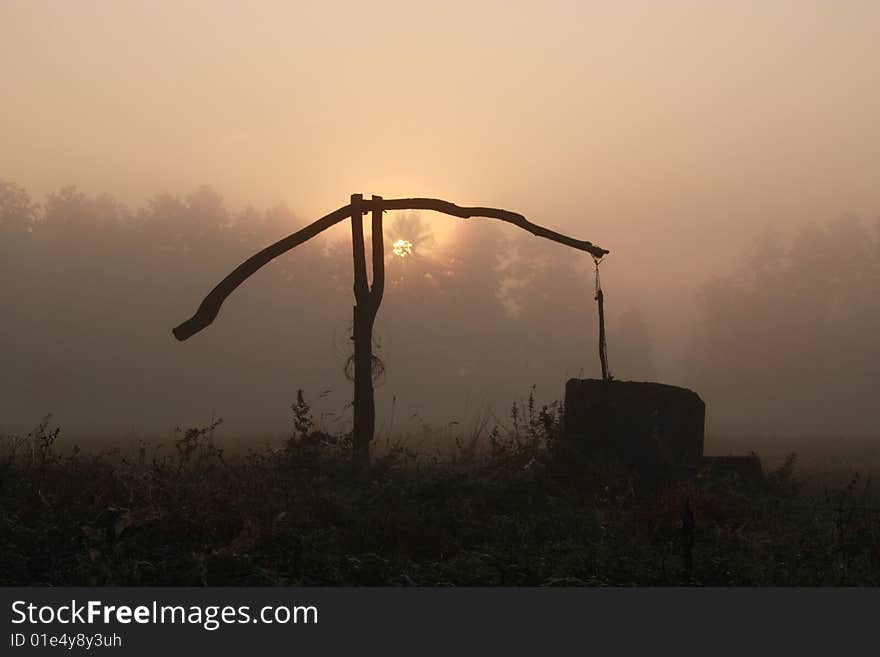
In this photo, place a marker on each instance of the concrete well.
(652, 426)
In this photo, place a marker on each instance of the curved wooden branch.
(210, 306)
(492, 213)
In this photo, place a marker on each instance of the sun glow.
(402, 248)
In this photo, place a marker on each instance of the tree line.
(90, 288)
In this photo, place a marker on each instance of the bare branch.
(492, 213)
(210, 306)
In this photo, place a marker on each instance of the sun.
(402, 248)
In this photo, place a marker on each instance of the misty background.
(726, 154)
(91, 289)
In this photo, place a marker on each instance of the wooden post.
(362, 432)
(367, 303)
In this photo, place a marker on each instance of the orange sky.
(624, 106)
(668, 132)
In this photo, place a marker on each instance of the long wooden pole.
(603, 354)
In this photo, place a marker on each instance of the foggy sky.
(669, 133)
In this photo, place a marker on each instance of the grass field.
(495, 509)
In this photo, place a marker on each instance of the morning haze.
(725, 153)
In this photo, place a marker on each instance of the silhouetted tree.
(792, 337)
(17, 211)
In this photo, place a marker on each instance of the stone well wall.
(648, 425)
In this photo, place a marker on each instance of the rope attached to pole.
(600, 299)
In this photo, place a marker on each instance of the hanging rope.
(600, 300)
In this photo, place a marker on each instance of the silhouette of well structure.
(368, 297)
(651, 426)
